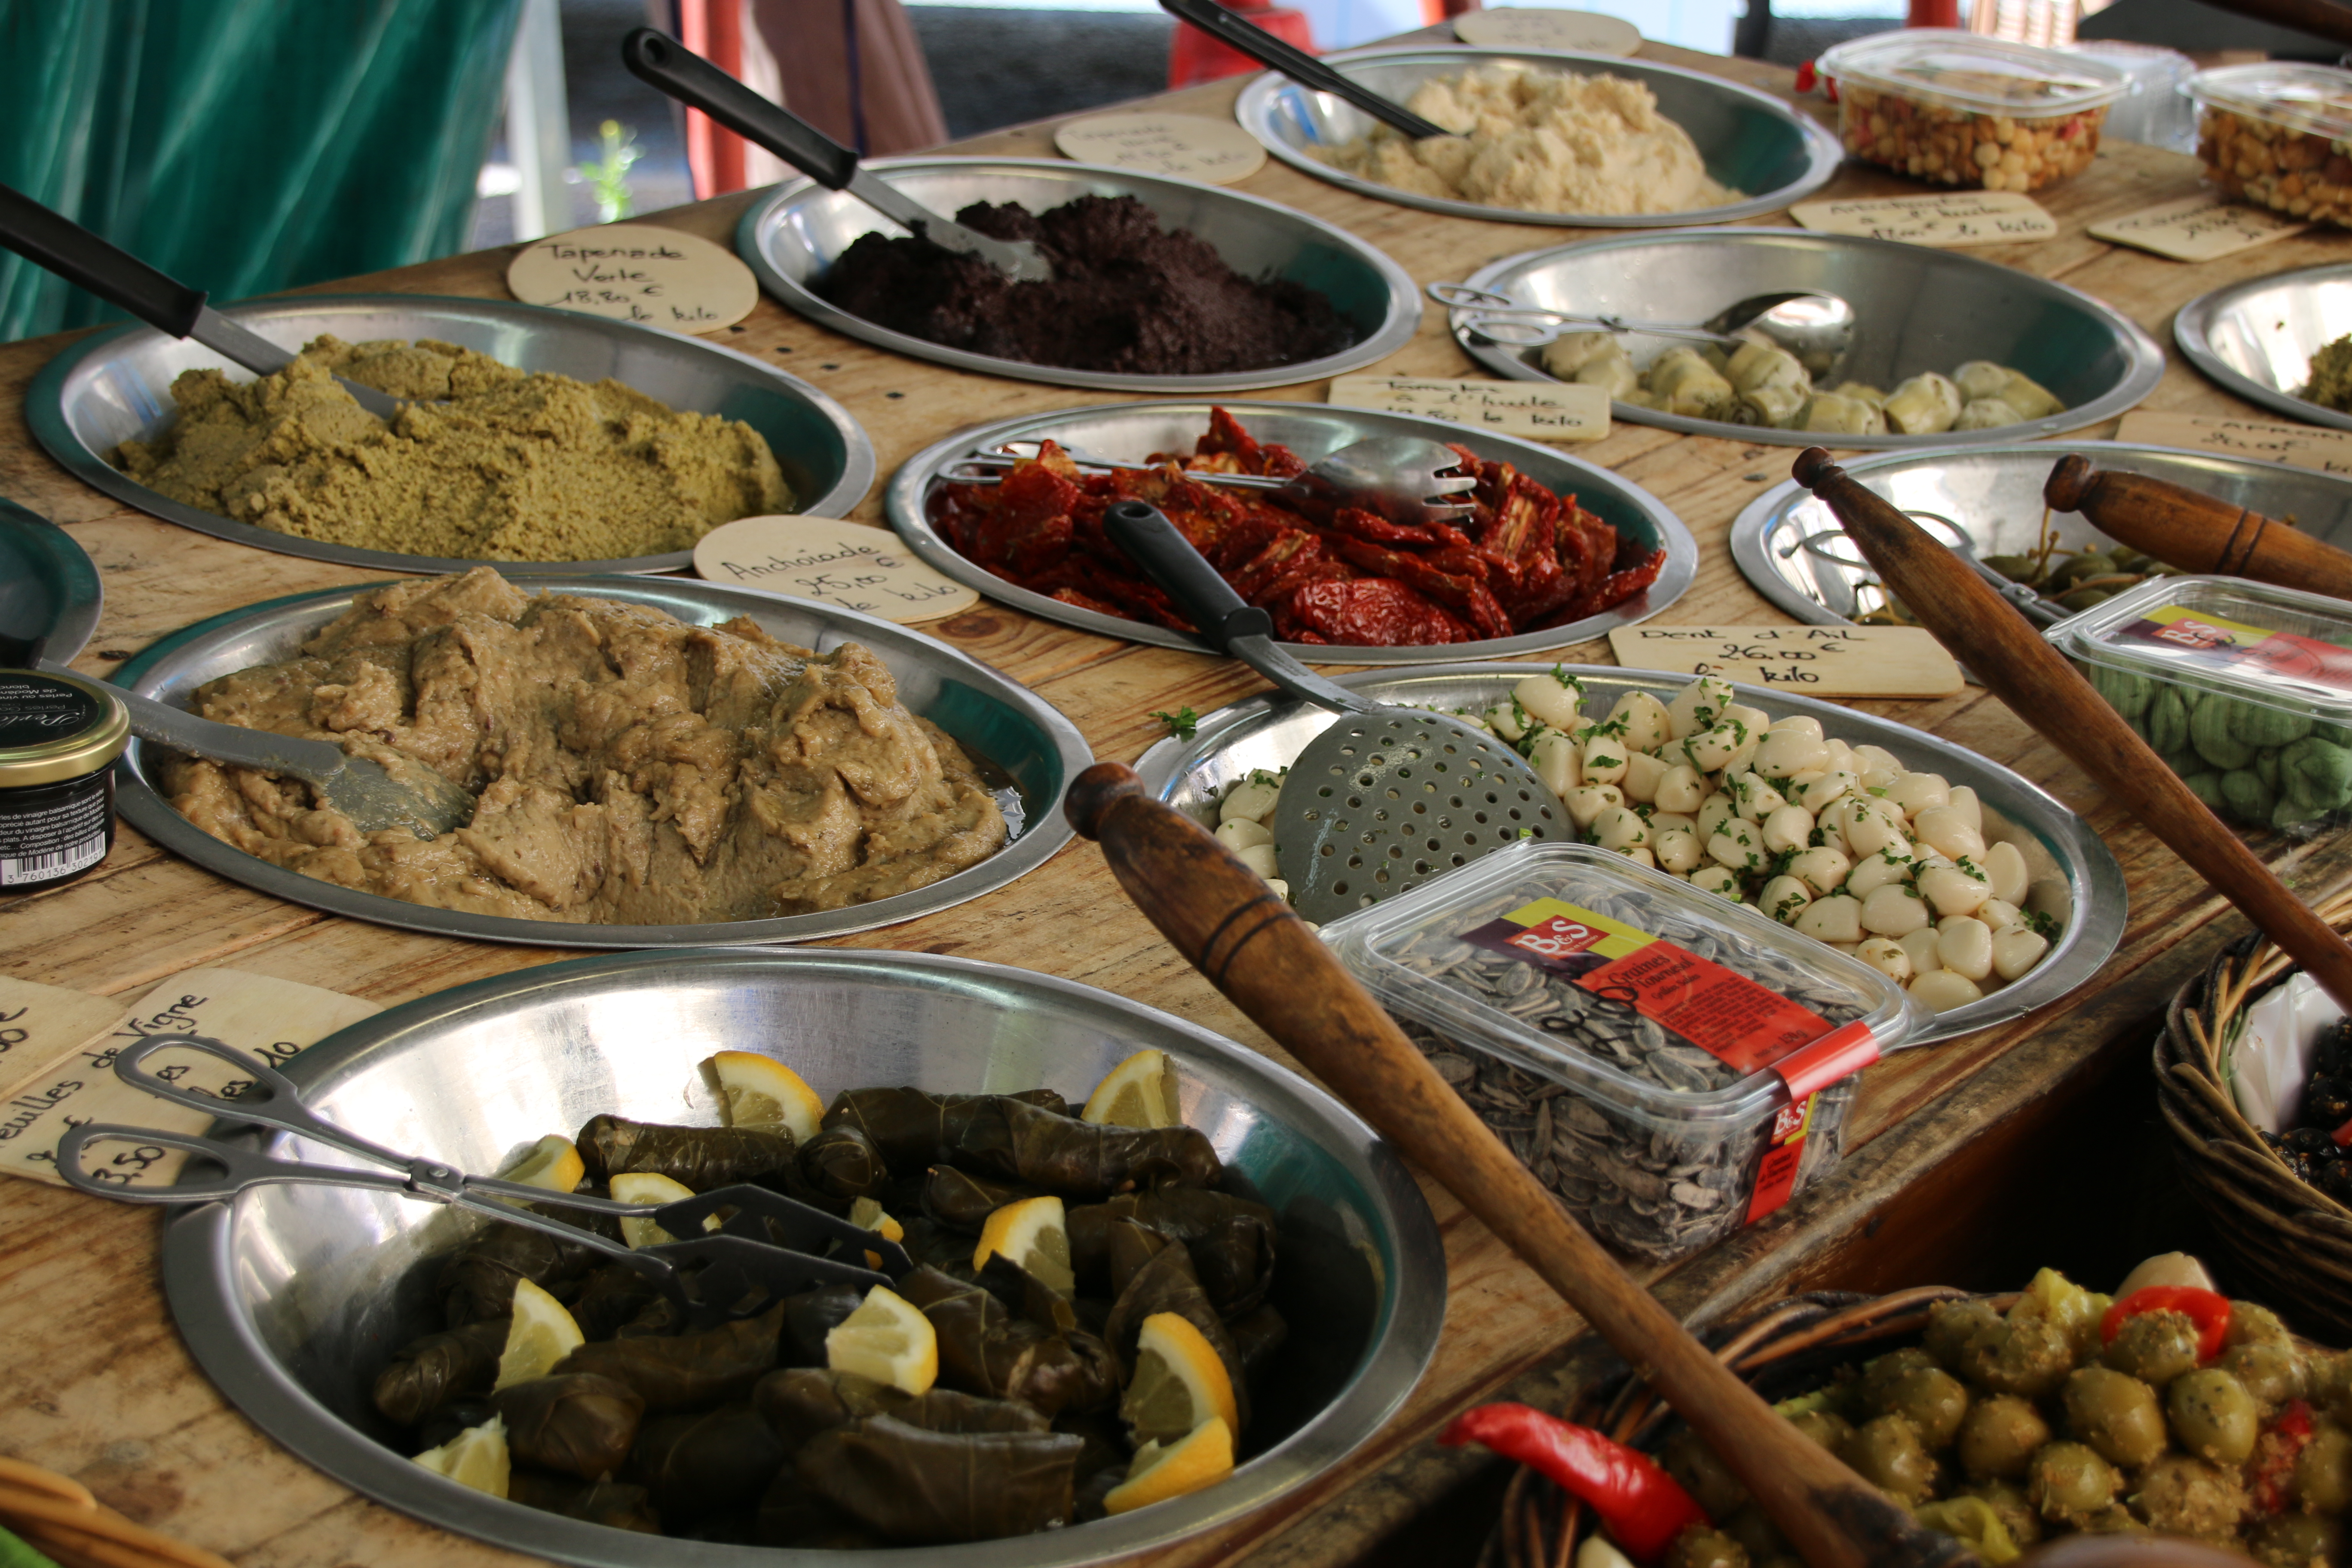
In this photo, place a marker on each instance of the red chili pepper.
(1644, 1506)
(2270, 1474)
(2210, 1311)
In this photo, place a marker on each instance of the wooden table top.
(98, 1383)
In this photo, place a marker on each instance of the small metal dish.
(792, 237)
(1313, 430)
(2076, 879)
(117, 386)
(290, 1298)
(2256, 338)
(1749, 141)
(1993, 494)
(993, 716)
(1918, 310)
(47, 585)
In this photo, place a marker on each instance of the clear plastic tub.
(2155, 108)
(1958, 109)
(2276, 134)
(1542, 981)
(2243, 689)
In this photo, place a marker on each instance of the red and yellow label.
(2212, 640)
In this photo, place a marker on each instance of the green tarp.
(246, 146)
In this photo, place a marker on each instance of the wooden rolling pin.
(1233, 928)
(2196, 533)
(2004, 650)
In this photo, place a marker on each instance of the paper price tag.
(40, 1025)
(836, 561)
(2197, 228)
(1182, 146)
(635, 272)
(270, 1020)
(1529, 27)
(2304, 446)
(1953, 218)
(1541, 411)
(1818, 661)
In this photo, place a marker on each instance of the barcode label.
(57, 863)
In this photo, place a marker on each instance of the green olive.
(2116, 1413)
(2181, 1495)
(1950, 1326)
(2133, 560)
(2069, 1482)
(2297, 1540)
(2272, 1371)
(2016, 1510)
(1827, 1428)
(1931, 1399)
(2212, 1415)
(1704, 1477)
(2081, 599)
(2251, 1322)
(2028, 1356)
(2154, 1347)
(1700, 1548)
(2016, 568)
(1753, 1529)
(2323, 1471)
(2076, 568)
(1886, 1452)
(1882, 1373)
(1973, 1523)
(1999, 1437)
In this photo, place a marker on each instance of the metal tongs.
(759, 1253)
(1403, 478)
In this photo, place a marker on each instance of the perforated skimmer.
(1386, 797)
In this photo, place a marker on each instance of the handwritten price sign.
(2199, 228)
(1563, 411)
(1817, 662)
(635, 272)
(833, 560)
(1953, 218)
(2303, 446)
(1184, 146)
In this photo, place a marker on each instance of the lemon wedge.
(868, 1214)
(648, 1187)
(889, 1339)
(475, 1458)
(1139, 1093)
(760, 1091)
(1034, 1233)
(1179, 1382)
(1191, 1462)
(552, 1164)
(539, 1334)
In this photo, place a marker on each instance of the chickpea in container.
(2275, 134)
(1959, 108)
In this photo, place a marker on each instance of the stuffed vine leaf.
(838, 1166)
(427, 1374)
(1168, 1284)
(919, 1485)
(800, 1402)
(575, 1424)
(985, 1349)
(1257, 1335)
(704, 1463)
(691, 1369)
(913, 1128)
(478, 1281)
(1013, 1140)
(608, 1504)
(699, 1158)
(962, 1201)
(1187, 1214)
(610, 1298)
(1235, 1263)
(793, 1514)
(809, 1316)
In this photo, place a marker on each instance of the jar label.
(54, 841)
(35, 710)
(1776, 1178)
(2194, 637)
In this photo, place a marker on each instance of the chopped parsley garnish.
(1182, 723)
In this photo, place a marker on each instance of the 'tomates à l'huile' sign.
(636, 272)
(832, 561)
(1812, 661)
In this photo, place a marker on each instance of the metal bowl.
(292, 1296)
(116, 386)
(1919, 310)
(49, 588)
(791, 237)
(1313, 430)
(1749, 141)
(2076, 880)
(995, 718)
(2256, 338)
(1994, 495)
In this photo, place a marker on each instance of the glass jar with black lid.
(59, 735)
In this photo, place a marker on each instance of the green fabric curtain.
(246, 146)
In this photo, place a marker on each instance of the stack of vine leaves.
(1077, 1338)
(1524, 560)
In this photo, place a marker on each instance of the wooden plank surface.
(125, 1410)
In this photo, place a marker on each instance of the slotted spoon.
(1383, 799)
(1403, 478)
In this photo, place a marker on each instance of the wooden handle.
(2196, 533)
(2003, 650)
(1235, 931)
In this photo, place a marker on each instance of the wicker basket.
(2292, 1240)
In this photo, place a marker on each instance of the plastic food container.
(2155, 108)
(2276, 134)
(2244, 690)
(59, 735)
(1958, 109)
(1673, 1066)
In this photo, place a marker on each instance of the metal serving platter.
(292, 1296)
(1919, 310)
(48, 589)
(2256, 338)
(1749, 141)
(1994, 495)
(791, 237)
(116, 386)
(993, 716)
(1313, 430)
(2076, 879)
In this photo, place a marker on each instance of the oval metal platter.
(116, 386)
(792, 237)
(1313, 430)
(1994, 495)
(1919, 310)
(292, 1296)
(2256, 338)
(2076, 879)
(993, 716)
(50, 594)
(1749, 141)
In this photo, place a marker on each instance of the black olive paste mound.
(1127, 297)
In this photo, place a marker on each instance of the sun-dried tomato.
(1369, 611)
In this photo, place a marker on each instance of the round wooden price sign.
(1182, 146)
(828, 558)
(636, 272)
(1526, 27)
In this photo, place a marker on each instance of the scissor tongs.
(760, 1250)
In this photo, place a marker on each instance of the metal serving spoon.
(1382, 800)
(60, 245)
(1818, 329)
(693, 81)
(1403, 478)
